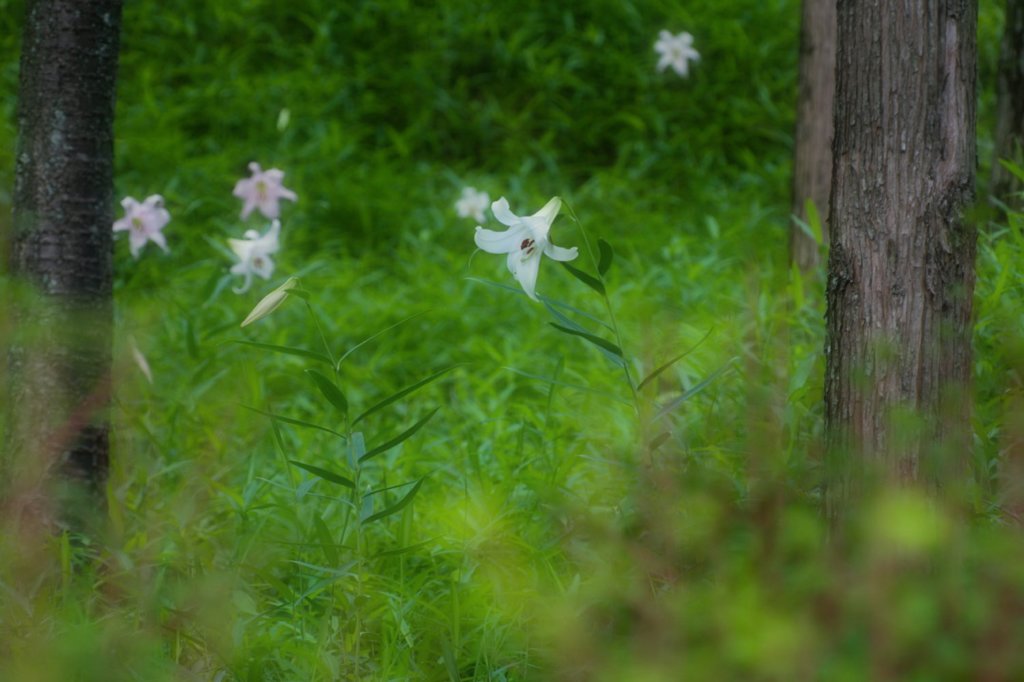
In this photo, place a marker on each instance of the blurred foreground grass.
(556, 535)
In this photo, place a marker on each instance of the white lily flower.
(144, 222)
(263, 191)
(254, 255)
(676, 51)
(472, 204)
(524, 241)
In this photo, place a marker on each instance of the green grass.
(550, 538)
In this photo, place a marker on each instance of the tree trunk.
(61, 246)
(901, 266)
(812, 159)
(1009, 142)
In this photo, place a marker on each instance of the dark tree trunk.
(901, 266)
(61, 245)
(1009, 142)
(812, 159)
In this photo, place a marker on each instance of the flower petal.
(503, 213)
(269, 207)
(245, 284)
(558, 253)
(243, 188)
(153, 201)
(270, 242)
(160, 240)
(501, 242)
(241, 247)
(525, 270)
(549, 212)
(248, 206)
(136, 240)
(262, 265)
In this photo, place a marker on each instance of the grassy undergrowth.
(563, 527)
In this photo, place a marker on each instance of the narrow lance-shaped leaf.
(692, 392)
(191, 344)
(572, 324)
(596, 340)
(401, 394)
(547, 301)
(323, 534)
(398, 506)
(605, 254)
(577, 387)
(405, 435)
(365, 341)
(325, 474)
(650, 377)
(356, 448)
(295, 422)
(591, 281)
(330, 391)
(814, 221)
(659, 440)
(287, 350)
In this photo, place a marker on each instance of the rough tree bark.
(61, 245)
(1009, 141)
(901, 266)
(812, 158)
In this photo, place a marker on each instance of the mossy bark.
(1009, 139)
(812, 154)
(901, 266)
(60, 250)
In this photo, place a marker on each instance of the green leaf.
(605, 255)
(295, 422)
(671, 362)
(401, 550)
(323, 534)
(330, 391)
(686, 395)
(576, 387)
(596, 340)
(401, 394)
(356, 449)
(547, 301)
(373, 336)
(450, 663)
(287, 350)
(814, 221)
(191, 345)
(325, 474)
(398, 506)
(591, 281)
(571, 324)
(384, 447)
(1017, 171)
(659, 440)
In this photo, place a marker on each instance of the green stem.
(608, 306)
(323, 337)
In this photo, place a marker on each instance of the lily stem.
(608, 306)
(323, 337)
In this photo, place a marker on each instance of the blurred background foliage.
(550, 540)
